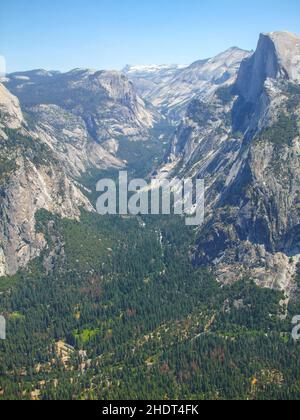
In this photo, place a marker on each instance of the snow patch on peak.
(152, 68)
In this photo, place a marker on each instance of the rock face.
(200, 80)
(39, 165)
(277, 56)
(105, 100)
(67, 135)
(148, 79)
(245, 143)
(69, 123)
(29, 189)
(10, 112)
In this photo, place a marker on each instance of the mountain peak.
(279, 35)
(277, 57)
(287, 52)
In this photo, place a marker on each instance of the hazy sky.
(64, 34)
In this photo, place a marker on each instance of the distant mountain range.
(148, 79)
(236, 118)
(140, 307)
(170, 89)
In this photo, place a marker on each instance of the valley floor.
(124, 315)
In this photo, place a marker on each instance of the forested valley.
(114, 308)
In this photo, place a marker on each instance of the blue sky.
(64, 34)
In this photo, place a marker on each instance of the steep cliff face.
(198, 81)
(69, 123)
(105, 100)
(39, 164)
(277, 57)
(68, 137)
(10, 112)
(30, 188)
(245, 143)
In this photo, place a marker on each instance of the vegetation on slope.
(141, 321)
